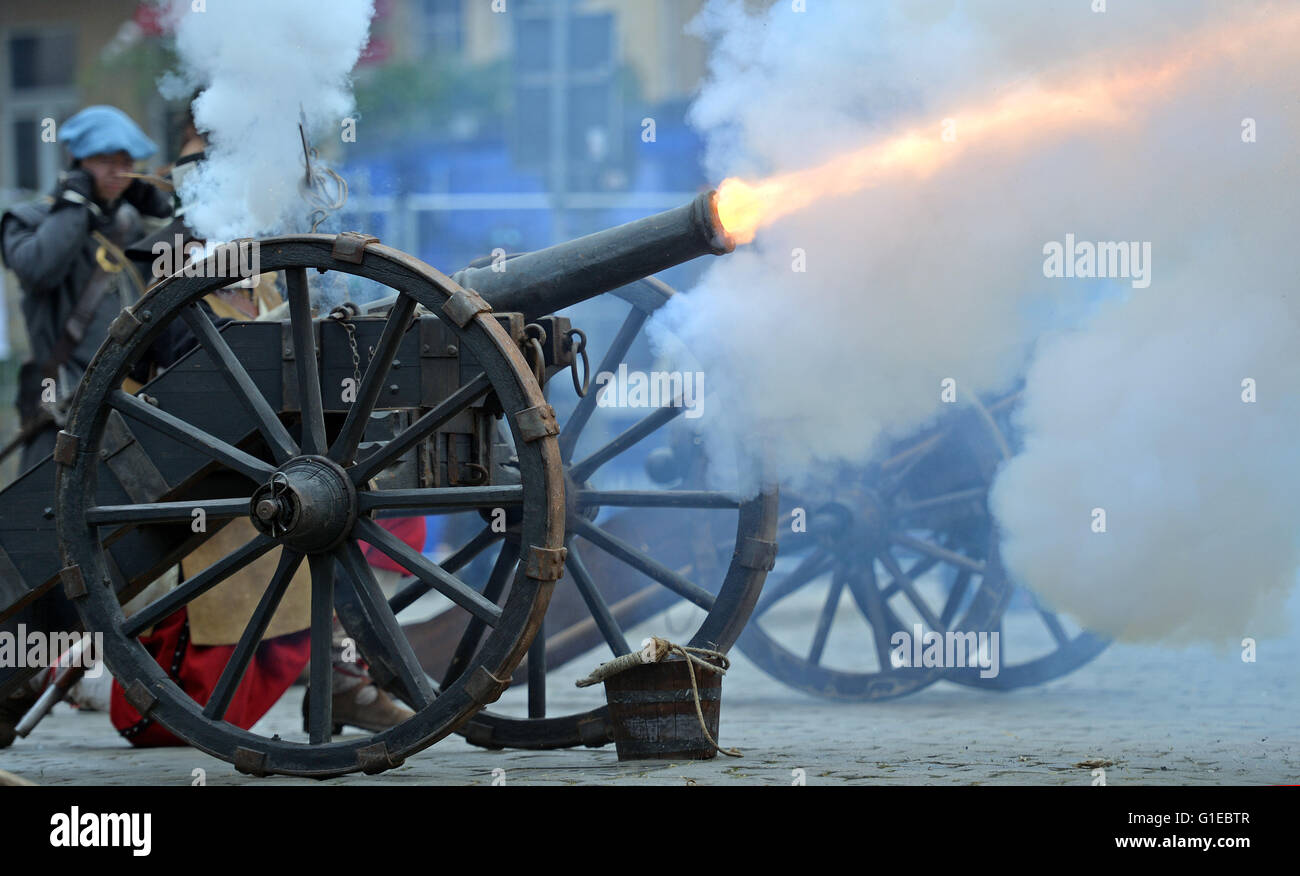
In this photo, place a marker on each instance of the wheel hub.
(873, 519)
(860, 526)
(309, 504)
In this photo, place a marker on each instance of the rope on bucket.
(656, 650)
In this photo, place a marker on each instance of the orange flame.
(1029, 112)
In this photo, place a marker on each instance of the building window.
(42, 60)
(27, 171)
(440, 25)
(38, 83)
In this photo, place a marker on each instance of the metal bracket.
(132, 467)
(74, 585)
(121, 328)
(289, 400)
(140, 698)
(464, 305)
(546, 564)
(374, 759)
(65, 448)
(754, 553)
(513, 323)
(483, 687)
(537, 422)
(350, 246)
(250, 762)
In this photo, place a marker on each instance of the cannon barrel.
(542, 282)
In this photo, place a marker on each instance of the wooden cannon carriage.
(251, 424)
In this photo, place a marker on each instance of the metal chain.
(343, 316)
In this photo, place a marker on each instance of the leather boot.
(364, 706)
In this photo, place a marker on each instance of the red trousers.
(276, 664)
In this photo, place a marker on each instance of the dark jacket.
(49, 246)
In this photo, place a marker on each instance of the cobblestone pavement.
(1145, 715)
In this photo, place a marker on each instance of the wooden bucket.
(652, 710)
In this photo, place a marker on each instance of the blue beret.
(101, 129)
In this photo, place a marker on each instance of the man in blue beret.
(67, 252)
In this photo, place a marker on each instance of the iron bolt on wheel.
(309, 496)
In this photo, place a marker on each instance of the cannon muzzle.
(542, 282)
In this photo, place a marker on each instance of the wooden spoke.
(237, 665)
(909, 588)
(441, 498)
(468, 644)
(825, 619)
(167, 512)
(648, 566)
(354, 426)
(812, 565)
(277, 437)
(413, 434)
(648, 426)
(304, 354)
(320, 708)
(1053, 624)
(384, 626)
(600, 611)
(953, 498)
(435, 576)
(191, 436)
(955, 596)
(941, 553)
(453, 564)
(880, 617)
(656, 499)
(198, 585)
(900, 465)
(920, 567)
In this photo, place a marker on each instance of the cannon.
(251, 425)
(905, 544)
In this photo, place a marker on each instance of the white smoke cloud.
(1143, 413)
(258, 64)
(1133, 399)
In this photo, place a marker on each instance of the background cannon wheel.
(1036, 645)
(308, 496)
(1059, 652)
(659, 550)
(906, 543)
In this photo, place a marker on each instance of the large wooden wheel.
(297, 479)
